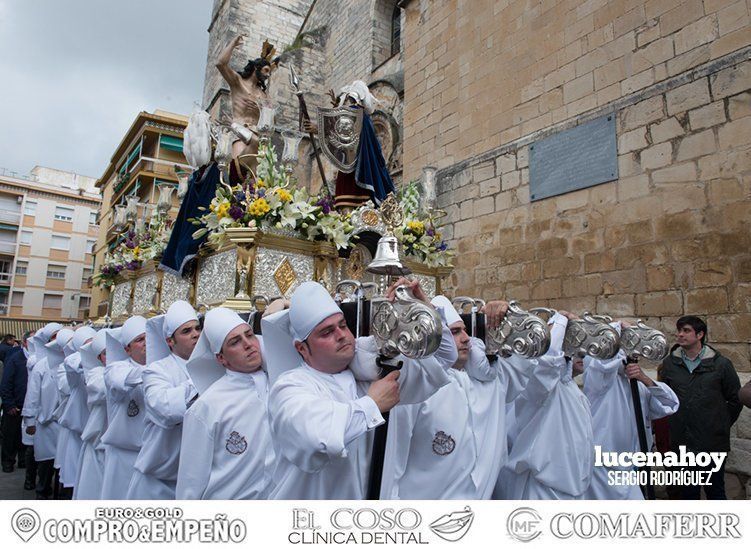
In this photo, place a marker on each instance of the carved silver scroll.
(591, 335)
(643, 341)
(407, 326)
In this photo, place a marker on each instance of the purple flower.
(326, 204)
(236, 212)
(261, 193)
(118, 268)
(147, 235)
(240, 196)
(131, 233)
(442, 247)
(430, 231)
(132, 265)
(105, 270)
(130, 244)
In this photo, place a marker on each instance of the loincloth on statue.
(244, 132)
(348, 193)
(238, 172)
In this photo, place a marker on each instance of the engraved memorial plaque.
(573, 159)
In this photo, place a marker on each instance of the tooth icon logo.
(454, 526)
(25, 523)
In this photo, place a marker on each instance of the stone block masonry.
(670, 237)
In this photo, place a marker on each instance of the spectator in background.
(707, 385)
(13, 392)
(7, 343)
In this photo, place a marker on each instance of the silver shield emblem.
(339, 135)
(133, 408)
(236, 443)
(443, 444)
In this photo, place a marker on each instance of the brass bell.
(386, 261)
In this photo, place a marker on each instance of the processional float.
(259, 264)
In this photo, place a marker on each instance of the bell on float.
(386, 261)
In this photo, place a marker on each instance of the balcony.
(147, 166)
(5, 278)
(12, 217)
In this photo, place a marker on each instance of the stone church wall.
(485, 79)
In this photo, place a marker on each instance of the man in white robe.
(39, 406)
(75, 412)
(608, 388)
(168, 391)
(56, 352)
(91, 459)
(227, 449)
(64, 337)
(27, 440)
(322, 416)
(126, 357)
(552, 447)
(453, 445)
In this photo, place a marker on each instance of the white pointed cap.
(203, 367)
(450, 315)
(131, 329)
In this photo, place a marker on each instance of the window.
(60, 242)
(30, 207)
(25, 238)
(396, 30)
(90, 246)
(51, 301)
(63, 213)
(84, 302)
(87, 273)
(5, 272)
(21, 268)
(56, 271)
(93, 218)
(17, 299)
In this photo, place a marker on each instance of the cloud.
(76, 74)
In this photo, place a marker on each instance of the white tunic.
(76, 412)
(167, 390)
(227, 448)
(64, 434)
(453, 445)
(552, 449)
(39, 408)
(91, 458)
(125, 415)
(613, 421)
(27, 439)
(323, 424)
(73, 418)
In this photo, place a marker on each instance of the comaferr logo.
(524, 524)
(641, 525)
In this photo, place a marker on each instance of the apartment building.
(48, 230)
(148, 157)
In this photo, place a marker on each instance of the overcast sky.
(75, 73)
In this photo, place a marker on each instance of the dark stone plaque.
(573, 159)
